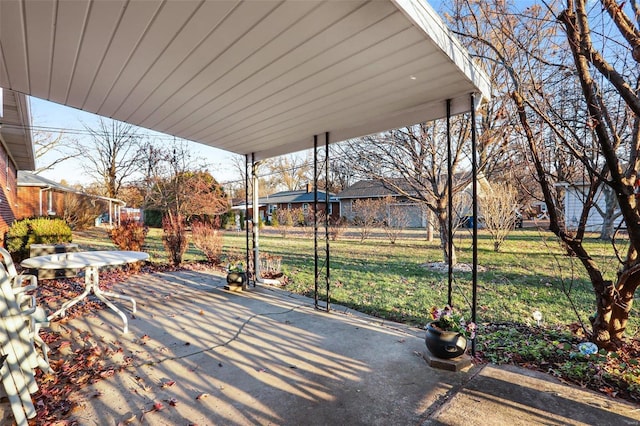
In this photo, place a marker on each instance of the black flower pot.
(236, 278)
(444, 344)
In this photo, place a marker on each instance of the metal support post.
(326, 217)
(449, 209)
(255, 222)
(246, 216)
(474, 188)
(315, 220)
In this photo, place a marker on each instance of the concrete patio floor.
(266, 357)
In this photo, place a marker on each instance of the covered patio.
(259, 79)
(197, 354)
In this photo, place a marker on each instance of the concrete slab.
(509, 395)
(262, 356)
(198, 354)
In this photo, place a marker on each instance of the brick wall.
(29, 202)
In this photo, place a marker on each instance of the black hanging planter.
(444, 344)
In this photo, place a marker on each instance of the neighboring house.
(39, 196)
(289, 200)
(574, 197)
(16, 151)
(373, 189)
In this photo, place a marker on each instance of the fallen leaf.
(202, 396)
(172, 401)
(167, 384)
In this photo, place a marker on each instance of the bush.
(40, 230)
(79, 211)
(337, 227)
(129, 235)
(208, 239)
(174, 238)
(153, 218)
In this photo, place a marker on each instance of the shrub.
(174, 238)
(129, 235)
(337, 227)
(208, 238)
(40, 230)
(153, 218)
(79, 211)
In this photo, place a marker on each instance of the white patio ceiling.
(257, 77)
(14, 114)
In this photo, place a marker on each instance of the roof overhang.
(15, 129)
(259, 77)
(32, 180)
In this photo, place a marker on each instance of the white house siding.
(574, 200)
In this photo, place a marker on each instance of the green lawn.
(390, 280)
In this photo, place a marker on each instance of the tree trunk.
(609, 215)
(429, 225)
(444, 239)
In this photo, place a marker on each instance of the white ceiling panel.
(256, 77)
(15, 137)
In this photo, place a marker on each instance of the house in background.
(574, 199)
(289, 200)
(373, 189)
(39, 196)
(16, 151)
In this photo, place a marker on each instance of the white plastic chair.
(34, 315)
(16, 343)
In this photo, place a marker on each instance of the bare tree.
(53, 149)
(603, 132)
(412, 162)
(182, 186)
(284, 220)
(289, 172)
(396, 218)
(498, 210)
(369, 213)
(80, 211)
(181, 189)
(111, 155)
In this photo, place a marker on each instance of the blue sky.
(50, 116)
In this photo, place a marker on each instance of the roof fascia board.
(423, 16)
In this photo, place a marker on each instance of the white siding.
(574, 200)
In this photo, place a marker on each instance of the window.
(305, 207)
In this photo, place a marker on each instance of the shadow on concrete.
(197, 354)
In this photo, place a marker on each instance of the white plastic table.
(91, 261)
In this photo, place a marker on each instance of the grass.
(390, 280)
(531, 273)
